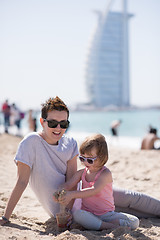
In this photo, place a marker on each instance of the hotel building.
(107, 70)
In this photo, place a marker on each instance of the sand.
(133, 169)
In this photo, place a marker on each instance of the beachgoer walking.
(114, 127)
(16, 118)
(32, 122)
(6, 113)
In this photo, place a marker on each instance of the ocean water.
(134, 125)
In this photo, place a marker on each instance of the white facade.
(107, 73)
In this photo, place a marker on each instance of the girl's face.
(92, 155)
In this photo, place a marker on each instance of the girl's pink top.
(100, 203)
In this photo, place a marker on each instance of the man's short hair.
(53, 104)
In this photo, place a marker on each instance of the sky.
(44, 46)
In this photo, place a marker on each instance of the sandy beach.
(132, 169)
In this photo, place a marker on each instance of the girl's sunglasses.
(87, 159)
(54, 123)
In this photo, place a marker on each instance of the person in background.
(35, 124)
(97, 209)
(114, 127)
(31, 121)
(47, 159)
(148, 142)
(15, 118)
(6, 113)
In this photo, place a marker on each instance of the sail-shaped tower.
(107, 70)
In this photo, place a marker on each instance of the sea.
(135, 124)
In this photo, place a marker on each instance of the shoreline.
(120, 141)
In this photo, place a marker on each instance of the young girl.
(97, 209)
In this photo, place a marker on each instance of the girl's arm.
(73, 181)
(105, 177)
(70, 185)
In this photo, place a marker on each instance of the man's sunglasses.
(87, 159)
(54, 123)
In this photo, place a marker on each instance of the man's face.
(53, 135)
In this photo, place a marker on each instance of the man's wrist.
(5, 219)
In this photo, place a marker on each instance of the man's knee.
(124, 198)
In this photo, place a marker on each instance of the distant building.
(107, 72)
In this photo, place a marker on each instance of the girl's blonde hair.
(98, 142)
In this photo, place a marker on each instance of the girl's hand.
(66, 198)
(58, 194)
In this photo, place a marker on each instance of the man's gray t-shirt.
(48, 164)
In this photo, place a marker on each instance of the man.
(45, 159)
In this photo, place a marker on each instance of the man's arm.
(73, 181)
(71, 170)
(23, 174)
